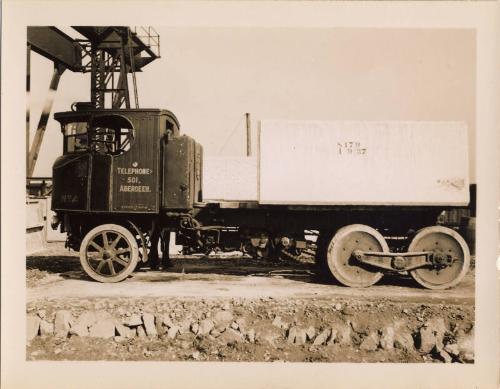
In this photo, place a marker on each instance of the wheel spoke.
(111, 267)
(122, 251)
(115, 242)
(120, 261)
(99, 267)
(105, 239)
(95, 245)
(94, 256)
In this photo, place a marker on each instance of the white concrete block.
(35, 213)
(230, 178)
(52, 235)
(363, 163)
(35, 223)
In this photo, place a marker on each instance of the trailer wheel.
(342, 264)
(452, 257)
(109, 253)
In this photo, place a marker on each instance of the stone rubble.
(333, 337)
(402, 337)
(222, 319)
(343, 335)
(83, 323)
(173, 331)
(431, 335)
(297, 335)
(241, 323)
(452, 349)
(310, 333)
(62, 323)
(104, 328)
(230, 336)
(167, 321)
(124, 331)
(141, 332)
(184, 326)
(226, 326)
(251, 335)
(133, 321)
(442, 355)
(322, 337)
(278, 322)
(370, 343)
(149, 324)
(387, 338)
(32, 326)
(194, 327)
(46, 328)
(205, 326)
(465, 342)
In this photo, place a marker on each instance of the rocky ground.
(237, 309)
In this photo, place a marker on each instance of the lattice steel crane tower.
(109, 53)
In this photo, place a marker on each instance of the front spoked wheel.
(109, 253)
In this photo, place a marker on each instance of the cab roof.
(85, 115)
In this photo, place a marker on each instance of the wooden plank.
(363, 163)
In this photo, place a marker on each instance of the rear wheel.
(340, 259)
(451, 257)
(109, 253)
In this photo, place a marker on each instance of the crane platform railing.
(149, 36)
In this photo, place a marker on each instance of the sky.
(210, 77)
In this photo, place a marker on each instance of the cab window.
(75, 137)
(111, 134)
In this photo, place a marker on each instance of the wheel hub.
(285, 241)
(398, 263)
(441, 260)
(107, 254)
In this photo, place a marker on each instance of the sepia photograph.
(343, 232)
(277, 195)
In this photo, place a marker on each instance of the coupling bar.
(400, 261)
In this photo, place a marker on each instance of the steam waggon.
(126, 173)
